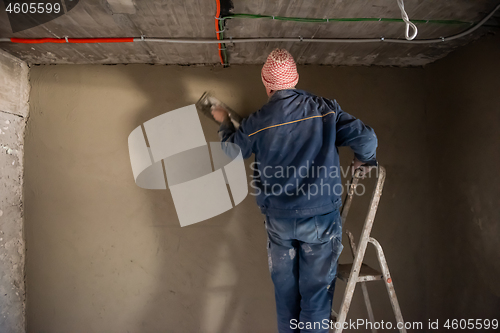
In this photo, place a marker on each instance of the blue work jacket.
(294, 137)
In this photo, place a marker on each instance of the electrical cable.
(409, 24)
(224, 8)
(219, 32)
(250, 40)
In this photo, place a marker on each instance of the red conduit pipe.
(217, 30)
(111, 40)
(71, 40)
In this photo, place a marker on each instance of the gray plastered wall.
(14, 95)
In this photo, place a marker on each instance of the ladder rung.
(366, 273)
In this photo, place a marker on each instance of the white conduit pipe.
(311, 40)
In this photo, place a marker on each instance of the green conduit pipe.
(327, 20)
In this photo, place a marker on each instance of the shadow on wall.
(211, 276)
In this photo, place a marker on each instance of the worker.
(294, 137)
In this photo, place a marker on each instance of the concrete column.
(14, 94)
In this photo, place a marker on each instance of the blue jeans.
(302, 256)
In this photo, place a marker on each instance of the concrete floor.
(104, 255)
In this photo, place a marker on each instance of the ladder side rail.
(350, 193)
(352, 244)
(366, 296)
(358, 260)
(368, 305)
(389, 283)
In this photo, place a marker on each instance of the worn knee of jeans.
(337, 248)
(268, 246)
(269, 257)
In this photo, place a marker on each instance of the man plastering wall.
(294, 138)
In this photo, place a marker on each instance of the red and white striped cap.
(279, 72)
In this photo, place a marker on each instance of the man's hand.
(219, 113)
(357, 164)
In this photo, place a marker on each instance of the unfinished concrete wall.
(107, 256)
(14, 93)
(463, 112)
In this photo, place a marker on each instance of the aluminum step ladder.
(358, 272)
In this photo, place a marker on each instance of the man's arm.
(360, 137)
(229, 134)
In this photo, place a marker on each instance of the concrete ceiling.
(195, 19)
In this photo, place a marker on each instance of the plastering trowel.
(205, 103)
